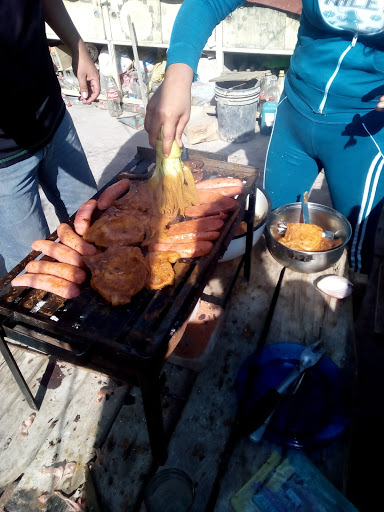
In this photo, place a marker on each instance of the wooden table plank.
(244, 461)
(302, 314)
(200, 438)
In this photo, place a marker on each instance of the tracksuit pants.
(351, 155)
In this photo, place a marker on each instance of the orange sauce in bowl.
(307, 237)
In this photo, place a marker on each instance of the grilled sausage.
(195, 226)
(48, 283)
(54, 268)
(223, 204)
(83, 216)
(220, 215)
(188, 237)
(188, 250)
(71, 239)
(209, 195)
(58, 252)
(112, 193)
(219, 183)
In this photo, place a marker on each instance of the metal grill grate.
(88, 318)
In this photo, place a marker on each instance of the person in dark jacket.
(39, 145)
(329, 115)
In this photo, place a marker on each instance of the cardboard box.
(61, 57)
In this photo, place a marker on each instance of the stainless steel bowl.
(305, 261)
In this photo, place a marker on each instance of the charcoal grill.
(121, 341)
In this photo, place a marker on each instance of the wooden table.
(218, 463)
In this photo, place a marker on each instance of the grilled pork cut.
(139, 197)
(161, 272)
(117, 227)
(118, 273)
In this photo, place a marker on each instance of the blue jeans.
(62, 170)
(352, 157)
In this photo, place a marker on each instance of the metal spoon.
(326, 233)
(282, 226)
(305, 209)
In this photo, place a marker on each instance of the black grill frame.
(121, 340)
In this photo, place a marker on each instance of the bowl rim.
(263, 218)
(323, 207)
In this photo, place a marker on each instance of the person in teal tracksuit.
(330, 115)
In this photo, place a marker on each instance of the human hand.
(87, 75)
(380, 105)
(170, 107)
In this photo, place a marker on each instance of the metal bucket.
(237, 109)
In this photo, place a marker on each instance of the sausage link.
(58, 252)
(209, 195)
(83, 216)
(48, 283)
(219, 183)
(71, 239)
(112, 193)
(224, 204)
(188, 237)
(195, 226)
(54, 268)
(189, 250)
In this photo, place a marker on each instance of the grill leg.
(249, 236)
(150, 390)
(15, 370)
